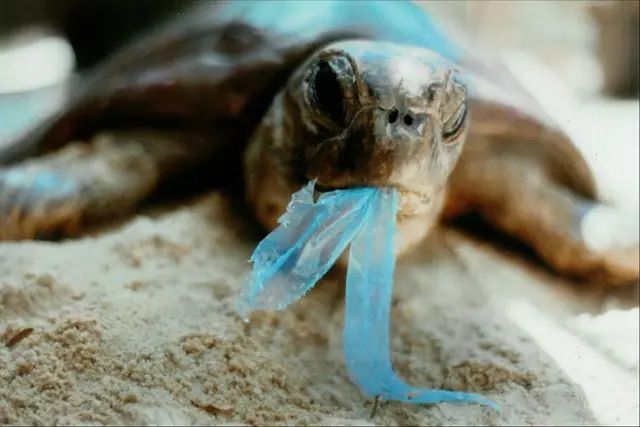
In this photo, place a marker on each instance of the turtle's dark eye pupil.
(327, 92)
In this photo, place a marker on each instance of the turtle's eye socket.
(454, 125)
(326, 92)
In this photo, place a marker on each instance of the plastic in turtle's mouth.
(328, 188)
(402, 191)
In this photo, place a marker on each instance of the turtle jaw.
(412, 202)
(417, 213)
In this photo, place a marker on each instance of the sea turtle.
(344, 93)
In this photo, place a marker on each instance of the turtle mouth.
(416, 197)
(320, 188)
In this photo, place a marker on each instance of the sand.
(136, 325)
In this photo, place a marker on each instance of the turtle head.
(366, 113)
(379, 114)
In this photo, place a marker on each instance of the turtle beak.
(403, 145)
(381, 148)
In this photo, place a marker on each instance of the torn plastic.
(310, 238)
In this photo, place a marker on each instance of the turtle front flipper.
(574, 234)
(58, 194)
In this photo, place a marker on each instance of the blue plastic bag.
(310, 238)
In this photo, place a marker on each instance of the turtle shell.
(218, 67)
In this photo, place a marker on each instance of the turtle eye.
(326, 92)
(455, 124)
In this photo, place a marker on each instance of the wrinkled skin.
(362, 113)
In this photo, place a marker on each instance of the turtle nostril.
(407, 119)
(393, 116)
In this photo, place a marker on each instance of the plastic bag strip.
(368, 305)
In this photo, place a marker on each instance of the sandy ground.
(137, 326)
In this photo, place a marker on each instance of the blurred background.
(580, 58)
(46, 45)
